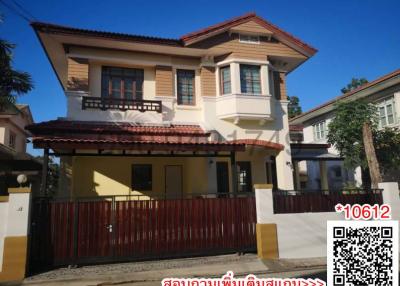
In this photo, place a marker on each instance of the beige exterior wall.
(16, 126)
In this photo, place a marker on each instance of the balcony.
(83, 106)
(236, 107)
(104, 103)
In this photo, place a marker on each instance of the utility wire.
(16, 11)
(31, 16)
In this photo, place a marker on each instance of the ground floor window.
(142, 177)
(244, 176)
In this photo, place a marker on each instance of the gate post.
(390, 196)
(14, 221)
(267, 237)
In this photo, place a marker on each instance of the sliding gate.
(110, 229)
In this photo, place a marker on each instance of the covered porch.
(315, 168)
(175, 161)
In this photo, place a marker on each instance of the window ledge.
(187, 107)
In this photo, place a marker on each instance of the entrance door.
(173, 181)
(222, 177)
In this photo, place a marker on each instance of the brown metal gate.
(109, 229)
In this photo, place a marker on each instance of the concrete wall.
(14, 228)
(304, 235)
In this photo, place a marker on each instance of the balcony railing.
(107, 103)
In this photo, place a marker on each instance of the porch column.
(44, 171)
(323, 173)
(234, 173)
(296, 172)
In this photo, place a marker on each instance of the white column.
(391, 197)
(264, 203)
(264, 80)
(397, 106)
(235, 78)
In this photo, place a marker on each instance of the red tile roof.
(67, 126)
(161, 145)
(348, 94)
(53, 28)
(260, 143)
(296, 127)
(247, 17)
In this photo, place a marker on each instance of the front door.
(222, 177)
(173, 181)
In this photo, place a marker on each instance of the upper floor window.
(12, 140)
(320, 130)
(123, 83)
(225, 80)
(249, 39)
(185, 87)
(386, 112)
(250, 80)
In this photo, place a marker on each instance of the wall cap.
(263, 186)
(19, 190)
(3, 199)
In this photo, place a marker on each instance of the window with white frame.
(320, 130)
(249, 39)
(386, 112)
(225, 74)
(250, 79)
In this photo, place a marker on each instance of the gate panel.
(105, 230)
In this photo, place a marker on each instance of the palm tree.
(13, 83)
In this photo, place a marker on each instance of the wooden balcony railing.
(107, 103)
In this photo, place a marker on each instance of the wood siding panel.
(282, 85)
(252, 27)
(225, 43)
(208, 86)
(164, 81)
(78, 74)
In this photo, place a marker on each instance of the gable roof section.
(185, 40)
(226, 25)
(364, 87)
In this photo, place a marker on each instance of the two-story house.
(205, 113)
(13, 138)
(322, 167)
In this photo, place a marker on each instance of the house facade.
(313, 173)
(13, 139)
(147, 116)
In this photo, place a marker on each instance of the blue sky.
(355, 38)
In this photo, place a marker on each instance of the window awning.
(312, 152)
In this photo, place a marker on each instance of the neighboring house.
(13, 138)
(323, 165)
(151, 116)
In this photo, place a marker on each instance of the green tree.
(13, 83)
(355, 83)
(294, 107)
(346, 134)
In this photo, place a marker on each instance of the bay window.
(225, 74)
(250, 79)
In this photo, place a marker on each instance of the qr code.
(362, 253)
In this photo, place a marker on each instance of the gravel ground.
(131, 267)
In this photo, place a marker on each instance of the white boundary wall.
(14, 218)
(304, 235)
